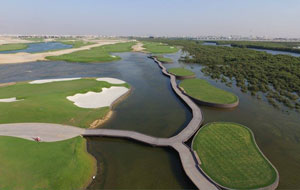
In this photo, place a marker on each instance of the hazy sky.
(272, 18)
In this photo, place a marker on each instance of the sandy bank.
(29, 57)
(7, 84)
(52, 80)
(111, 80)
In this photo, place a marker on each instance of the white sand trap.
(14, 99)
(113, 56)
(111, 80)
(172, 47)
(51, 80)
(98, 99)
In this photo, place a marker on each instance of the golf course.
(200, 89)
(9, 47)
(158, 48)
(230, 156)
(96, 54)
(181, 72)
(47, 102)
(46, 165)
(163, 59)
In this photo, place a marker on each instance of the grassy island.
(96, 54)
(203, 91)
(11, 47)
(47, 103)
(230, 156)
(163, 59)
(57, 165)
(159, 48)
(181, 72)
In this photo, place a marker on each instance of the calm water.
(152, 108)
(41, 47)
(273, 52)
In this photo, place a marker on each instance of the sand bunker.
(111, 80)
(14, 99)
(98, 99)
(51, 80)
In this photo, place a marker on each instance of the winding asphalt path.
(57, 132)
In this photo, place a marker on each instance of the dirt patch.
(138, 48)
(99, 122)
(7, 84)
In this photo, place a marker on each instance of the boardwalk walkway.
(187, 157)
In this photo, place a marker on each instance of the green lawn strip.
(96, 54)
(75, 43)
(159, 48)
(163, 59)
(180, 72)
(202, 90)
(47, 103)
(230, 156)
(11, 47)
(45, 165)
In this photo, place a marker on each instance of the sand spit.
(52, 80)
(14, 99)
(31, 57)
(111, 80)
(98, 99)
(138, 47)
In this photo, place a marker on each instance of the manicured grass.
(156, 47)
(202, 90)
(10, 47)
(163, 59)
(229, 156)
(47, 103)
(76, 43)
(180, 72)
(43, 165)
(97, 54)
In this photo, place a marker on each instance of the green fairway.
(97, 54)
(10, 47)
(163, 59)
(202, 90)
(156, 47)
(75, 43)
(47, 103)
(180, 72)
(45, 165)
(229, 156)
